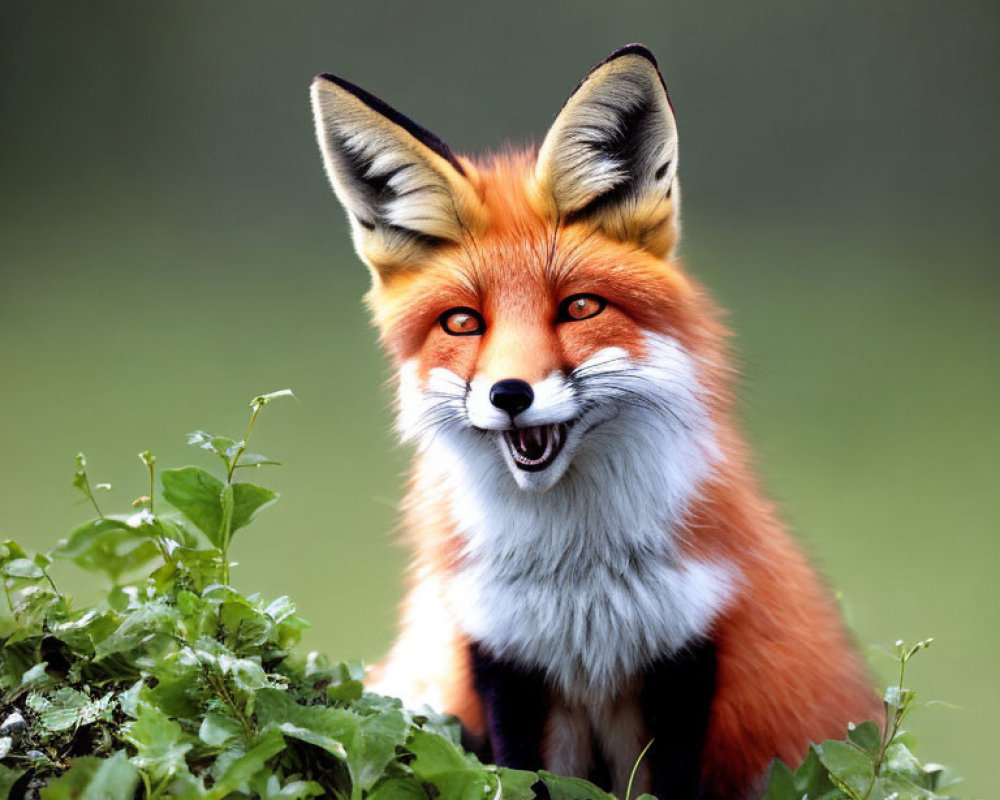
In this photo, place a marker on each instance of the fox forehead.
(521, 263)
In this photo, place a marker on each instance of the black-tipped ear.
(402, 186)
(611, 153)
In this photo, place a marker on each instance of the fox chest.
(588, 620)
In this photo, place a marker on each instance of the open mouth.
(534, 448)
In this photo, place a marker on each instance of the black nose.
(512, 396)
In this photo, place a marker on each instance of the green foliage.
(176, 685)
(873, 763)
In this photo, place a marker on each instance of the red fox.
(595, 566)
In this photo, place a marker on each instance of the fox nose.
(512, 395)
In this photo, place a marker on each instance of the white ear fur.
(402, 186)
(612, 149)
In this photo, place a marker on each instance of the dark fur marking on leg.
(516, 702)
(599, 773)
(676, 702)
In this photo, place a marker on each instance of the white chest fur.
(590, 624)
(585, 580)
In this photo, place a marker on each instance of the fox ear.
(610, 157)
(403, 188)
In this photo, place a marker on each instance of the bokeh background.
(170, 249)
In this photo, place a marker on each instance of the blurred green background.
(170, 249)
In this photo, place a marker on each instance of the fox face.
(529, 299)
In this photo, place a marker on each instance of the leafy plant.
(176, 685)
(872, 763)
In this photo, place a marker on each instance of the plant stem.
(145, 782)
(149, 460)
(90, 495)
(52, 583)
(159, 789)
(257, 406)
(219, 686)
(6, 591)
(635, 769)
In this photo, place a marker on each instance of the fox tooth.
(537, 433)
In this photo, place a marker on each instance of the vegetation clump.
(177, 685)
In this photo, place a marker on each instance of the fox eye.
(580, 306)
(462, 321)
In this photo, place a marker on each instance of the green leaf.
(311, 736)
(85, 536)
(243, 769)
(80, 476)
(217, 729)
(201, 567)
(812, 777)
(219, 445)
(248, 675)
(110, 545)
(327, 728)
(270, 788)
(63, 709)
(90, 778)
(264, 399)
(562, 788)
(197, 494)
(374, 746)
(181, 689)
(248, 501)
(153, 624)
(159, 741)
(280, 609)
(781, 785)
(11, 549)
(82, 634)
(847, 765)
(900, 761)
(345, 691)
(242, 625)
(399, 789)
(368, 743)
(22, 568)
(867, 736)
(128, 700)
(515, 784)
(256, 460)
(457, 775)
(35, 677)
(8, 777)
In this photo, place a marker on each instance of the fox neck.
(586, 580)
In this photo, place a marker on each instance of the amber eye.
(581, 306)
(462, 321)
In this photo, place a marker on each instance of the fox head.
(531, 301)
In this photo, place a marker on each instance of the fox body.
(594, 564)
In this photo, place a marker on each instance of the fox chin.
(594, 566)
